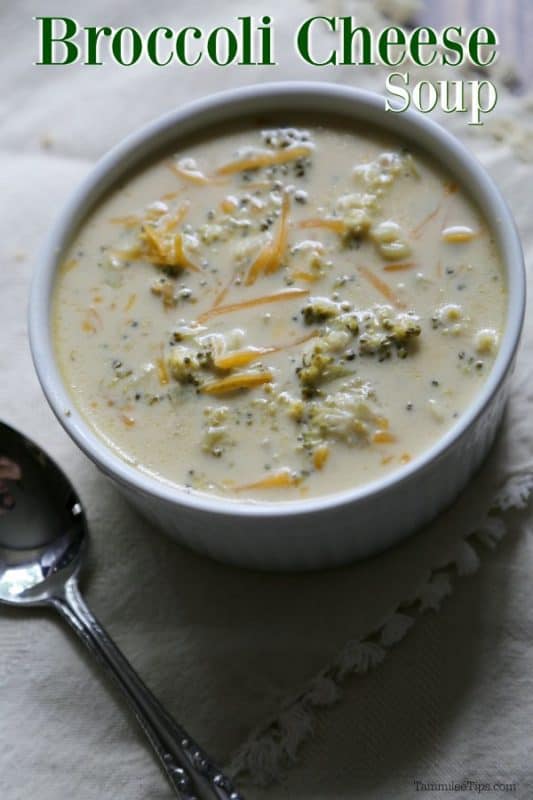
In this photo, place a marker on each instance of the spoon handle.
(180, 756)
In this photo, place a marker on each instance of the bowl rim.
(143, 142)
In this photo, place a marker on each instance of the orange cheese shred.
(383, 437)
(330, 223)
(162, 371)
(131, 302)
(383, 288)
(264, 158)
(239, 380)
(282, 479)
(285, 294)
(399, 266)
(164, 251)
(301, 275)
(260, 264)
(229, 204)
(270, 258)
(191, 175)
(92, 321)
(320, 456)
(449, 188)
(129, 221)
(181, 259)
(241, 358)
(71, 263)
(174, 219)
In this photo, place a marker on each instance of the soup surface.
(279, 312)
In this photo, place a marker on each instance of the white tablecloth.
(334, 685)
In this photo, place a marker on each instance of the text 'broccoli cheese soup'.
(279, 312)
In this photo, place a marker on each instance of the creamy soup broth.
(279, 312)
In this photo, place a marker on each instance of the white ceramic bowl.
(323, 531)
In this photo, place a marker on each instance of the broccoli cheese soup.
(279, 312)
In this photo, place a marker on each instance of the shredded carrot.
(383, 437)
(264, 158)
(131, 302)
(400, 266)
(320, 456)
(283, 479)
(231, 383)
(382, 287)
(285, 294)
(382, 422)
(162, 371)
(270, 257)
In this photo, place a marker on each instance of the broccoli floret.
(185, 364)
(319, 309)
(318, 368)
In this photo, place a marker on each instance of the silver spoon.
(43, 538)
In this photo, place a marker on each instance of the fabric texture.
(339, 684)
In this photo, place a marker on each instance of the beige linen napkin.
(250, 662)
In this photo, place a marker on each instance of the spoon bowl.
(43, 529)
(43, 539)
